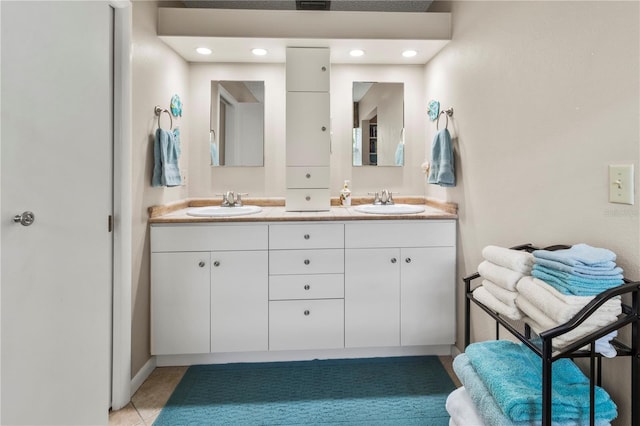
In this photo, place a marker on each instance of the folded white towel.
(462, 410)
(483, 296)
(539, 322)
(505, 296)
(499, 275)
(516, 260)
(554, 304)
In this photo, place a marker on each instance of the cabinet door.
(427, 287)
(179, 303)
(308, 129)
(239, 301)
(307, 69)
(372, 297)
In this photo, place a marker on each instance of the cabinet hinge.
(110, 223)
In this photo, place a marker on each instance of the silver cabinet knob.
(324, 128)
(307, 261)
(307, 236)
(408, 260)
(216, 263)
(201, 264)
(308, 198)
(307, 312)
(25, 219)
(308, 175)
(394, 260)
(307, 286)
(323, 68)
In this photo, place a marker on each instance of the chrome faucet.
(386, 198)
(231, 199)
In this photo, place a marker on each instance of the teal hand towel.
(442, 171)
(580, 255)
(513, 375)
(166, 171)
(611, 271)
(570, 284)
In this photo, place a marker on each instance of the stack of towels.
(501, 270)
(502, 386)
(562, 283)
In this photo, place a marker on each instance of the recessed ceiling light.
(409, 53)
(203, 50)
(259, 52)
(356, 52)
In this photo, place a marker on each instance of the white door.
(56, 161)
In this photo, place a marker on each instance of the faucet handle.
(239, 195)
(376, 197)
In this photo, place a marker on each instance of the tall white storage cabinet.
(308, 133)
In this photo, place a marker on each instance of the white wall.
(545, 97)
(157, 74)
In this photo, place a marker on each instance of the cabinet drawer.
(282, 237)
(441, 233)
(291, 287)
(307, 69)
(300, 262)
(208, 237)
(300, 200)
(306, 324)
(307, 177)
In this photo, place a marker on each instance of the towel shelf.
(630, 316)
(158, 111)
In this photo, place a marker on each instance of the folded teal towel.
(399, 157)
(442, 170)
(487, 406)
(166, 153)
(570, 284)
(513, 375)
(579, 255)
(606, 272)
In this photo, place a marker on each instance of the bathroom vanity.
(285, 286)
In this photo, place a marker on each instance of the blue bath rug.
(371, 391)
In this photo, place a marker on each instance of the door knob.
(25, 219)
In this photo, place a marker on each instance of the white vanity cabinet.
(306, 286)
(209, 288)
(399, 283)
(308, 140)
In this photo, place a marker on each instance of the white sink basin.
(219, 211)
(389, 208)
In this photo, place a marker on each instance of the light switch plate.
(621, 184)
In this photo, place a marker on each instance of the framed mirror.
(378, 124)
(236, 136)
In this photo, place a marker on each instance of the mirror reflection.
(236, 136)
(378, 124)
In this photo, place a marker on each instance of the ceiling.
(377, 24)
(358, 5)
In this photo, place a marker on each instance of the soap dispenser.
(345, 195)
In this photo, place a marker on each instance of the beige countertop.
(273, 210)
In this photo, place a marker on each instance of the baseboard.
(143, 374)
(275, 356)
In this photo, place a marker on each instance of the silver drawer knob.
(308, 175)
(307, 236)
(394, 260)
(307, 312)
(308, 198)
(307, 261)
(201, 264)
(216, 263)
(408, 260)
(307, 286)
(24, 219)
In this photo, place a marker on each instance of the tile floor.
(147, 402)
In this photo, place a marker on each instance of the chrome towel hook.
(158, 111)
(449, 113)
